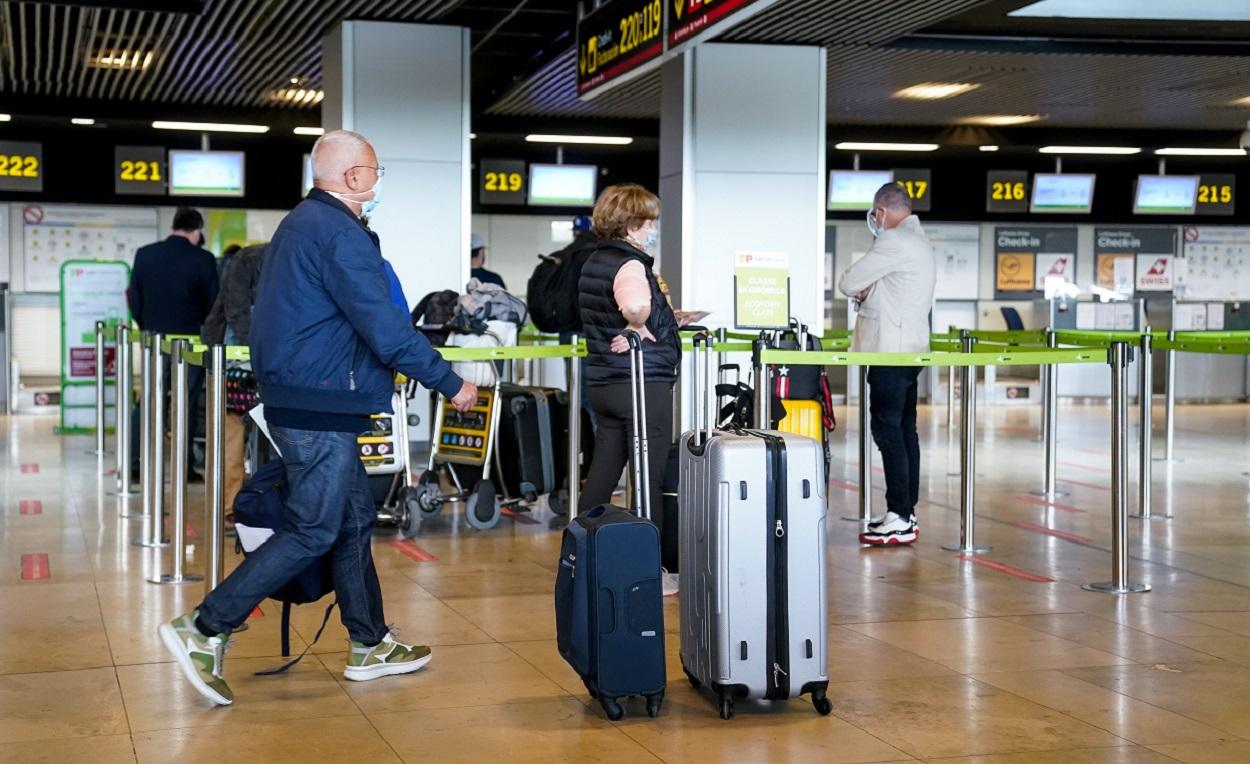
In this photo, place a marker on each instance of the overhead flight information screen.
(1166, 195)
(1073, 194)
(854, 189)
(562, 185)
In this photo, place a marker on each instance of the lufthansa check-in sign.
(1025, 255)
(618, 41)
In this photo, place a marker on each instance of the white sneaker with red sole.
(891, 531)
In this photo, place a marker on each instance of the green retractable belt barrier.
(1013, 358)
(1232, 346)
(196, 353)
(514, 352)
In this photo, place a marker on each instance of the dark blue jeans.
(333, 512)
(892, 398)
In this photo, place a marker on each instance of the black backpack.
(551, 293)
(434, 311)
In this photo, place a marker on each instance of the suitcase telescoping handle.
(702, 402)
(642, 467)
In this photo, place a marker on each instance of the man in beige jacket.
(893, 284)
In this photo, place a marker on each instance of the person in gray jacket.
(893, 284)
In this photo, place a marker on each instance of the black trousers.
(892, 395)
(614, 447)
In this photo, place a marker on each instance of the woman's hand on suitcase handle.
(464, 400)
(620, 343)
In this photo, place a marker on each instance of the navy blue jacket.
(325, 335)
(172, 286)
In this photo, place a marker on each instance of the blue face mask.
(653, 237)
(366, 207)
(873, 225)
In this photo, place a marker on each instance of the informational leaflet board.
(1215, 265)
(957, 250)
(54, 234)
(761, 290)
(1140, 255)
(1020, 252)
(91, 291)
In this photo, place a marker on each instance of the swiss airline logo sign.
(1154, 273)
(1059, 267)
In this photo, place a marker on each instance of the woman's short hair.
(622, 207)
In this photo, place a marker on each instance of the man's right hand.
(464, 400)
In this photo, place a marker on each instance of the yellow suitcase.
(803, 418)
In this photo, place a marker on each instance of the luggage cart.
(387, 461)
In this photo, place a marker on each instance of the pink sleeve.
(630, 286)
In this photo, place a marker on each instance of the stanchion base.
(973, 550)
(123, 494)
(1106, 587)
(169, 578)
(1049, 495)
(1151, 516)
(150, 544)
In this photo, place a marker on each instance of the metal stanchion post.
(1169, 407)
(1145, 461)
(178, 458)
(123, 405)
(865, 453)
(100, 423)
(151, 534)
(763, 406)
(575, 428)
(950, 396)
(722, 336)
(967, 456)
(214, 463)
(1119, 583)
(1050, 421)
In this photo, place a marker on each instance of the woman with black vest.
(618, 291)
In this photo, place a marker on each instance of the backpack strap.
(282, 669)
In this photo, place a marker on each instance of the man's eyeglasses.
(380, 170)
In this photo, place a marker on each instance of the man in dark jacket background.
(325, 341)
(172, 287)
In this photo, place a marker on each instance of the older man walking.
(325, 340)
(893, 284)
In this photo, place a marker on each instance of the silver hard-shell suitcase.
(753, 608)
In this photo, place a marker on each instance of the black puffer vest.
(602, 319)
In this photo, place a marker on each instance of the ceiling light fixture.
(1001, 120)
(1096, 150)
(309, 131)
(122, 59)
(209, 127)
(988, 148)
(1199, 152)
(299, 96)
(598, 140)
(472, 136)
(6, 117)
(932, 91)
(82, 121)
(871, 146)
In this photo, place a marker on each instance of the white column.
(742, 167)
(406, 88)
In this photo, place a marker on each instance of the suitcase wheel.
(726, 708)
(612, 709)
(823, 705)
(482, 510)
(653, 704)
(558, 501)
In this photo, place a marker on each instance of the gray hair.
(892, 196)
(329, 150)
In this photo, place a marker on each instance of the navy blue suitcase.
(608, 597)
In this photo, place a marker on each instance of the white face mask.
(873, 225)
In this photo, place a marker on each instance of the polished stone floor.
(1001, 659)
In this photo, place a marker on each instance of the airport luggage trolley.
(385, 454)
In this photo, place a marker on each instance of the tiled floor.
(931, 657)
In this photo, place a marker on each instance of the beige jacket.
(900, 270)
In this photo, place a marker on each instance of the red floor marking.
(520, 517)
(1038, 501)
(35, 567)
(1093, 451)
(409, 548)
(30, 469)
(1095, 486)
(30, 507)
(257, 612)
(1089, 467)
(844, 485)
(1004, 568)
(1028, 526)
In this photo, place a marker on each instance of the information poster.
(1216, 264)
(1020, 252)
(957, 250)
(55, 234)
(761, 290)
(1135, 257)
(91, 291)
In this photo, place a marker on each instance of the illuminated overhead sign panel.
(21, 166)
(688, 19)
(139, 170)
(1217, 194)
(616, 42)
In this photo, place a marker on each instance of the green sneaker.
(386, 658)
(199, 657)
